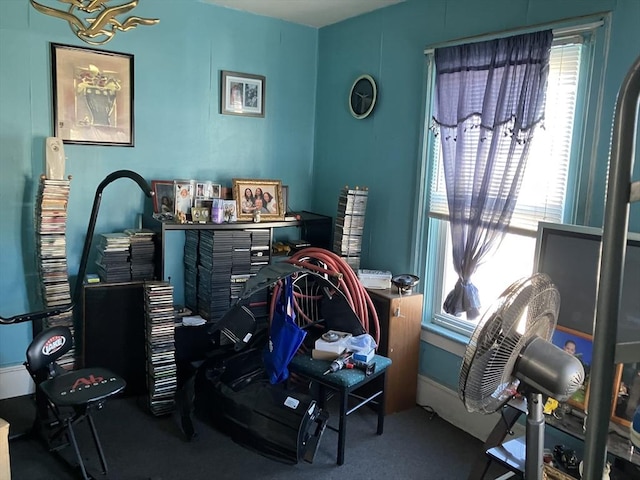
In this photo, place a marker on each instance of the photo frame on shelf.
(579, 345)
(92, 96)
(207, 190)
(230, 211)
(242, 94)
(256, 194)
(184, 190)
(626, 392)
(164, 196)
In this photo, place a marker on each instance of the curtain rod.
(598, 21)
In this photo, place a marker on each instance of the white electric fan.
(510, 353)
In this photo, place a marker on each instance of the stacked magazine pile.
(347, 236)
(161, 364)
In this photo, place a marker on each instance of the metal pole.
(144, 186)
(614, 241)
(534, 438)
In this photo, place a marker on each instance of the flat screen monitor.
(570, 255)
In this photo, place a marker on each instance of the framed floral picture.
(92, 96)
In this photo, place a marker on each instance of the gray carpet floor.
(138, 446)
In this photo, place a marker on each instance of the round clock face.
(363, 96)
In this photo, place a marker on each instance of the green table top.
(305, 365)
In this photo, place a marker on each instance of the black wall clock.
(363, 96)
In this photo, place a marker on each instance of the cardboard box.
(322, 355)
(375, 279)
(364, 357)
(336, 347)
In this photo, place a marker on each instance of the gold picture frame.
(626, 393)
(92, 96)
(251, 194)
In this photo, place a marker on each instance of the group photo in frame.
(580, 345)
(256, 195)
(242, 94)
(626, 393)
(92, 96)
(163, 196)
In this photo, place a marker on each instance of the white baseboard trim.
(448, 406)
(15, 381)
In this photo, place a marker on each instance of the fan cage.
(527, 308)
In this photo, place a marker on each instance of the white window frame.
(434, 229)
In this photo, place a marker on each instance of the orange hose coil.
(348, 283)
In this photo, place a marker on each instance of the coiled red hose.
(328, 263)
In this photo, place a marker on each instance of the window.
(543, 195)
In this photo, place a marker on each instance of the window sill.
(444, 338)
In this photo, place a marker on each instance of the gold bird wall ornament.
(93, 21)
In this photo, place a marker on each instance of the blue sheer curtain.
(489, 99)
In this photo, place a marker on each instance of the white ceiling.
(315, 13)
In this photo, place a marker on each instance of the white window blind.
(542, 193)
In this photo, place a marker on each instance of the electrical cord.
(430, 410)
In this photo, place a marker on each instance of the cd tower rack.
(347, 237)
(160, 329)
(51, 246)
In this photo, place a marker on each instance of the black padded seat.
(80, 387)
(70, 396)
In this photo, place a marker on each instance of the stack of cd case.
(347, 236)
(51, 245)
(161, 363)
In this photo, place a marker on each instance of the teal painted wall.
(383, 152)
(308, 138)
(179, 132)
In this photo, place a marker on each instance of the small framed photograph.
(242, 94)
(184, 197)
(207, 190)
(230, 211)
(254, 195)
(92, 96)
(200, 214)
(626, 393)
(164, 195)
(202, 190)
(580, 345)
